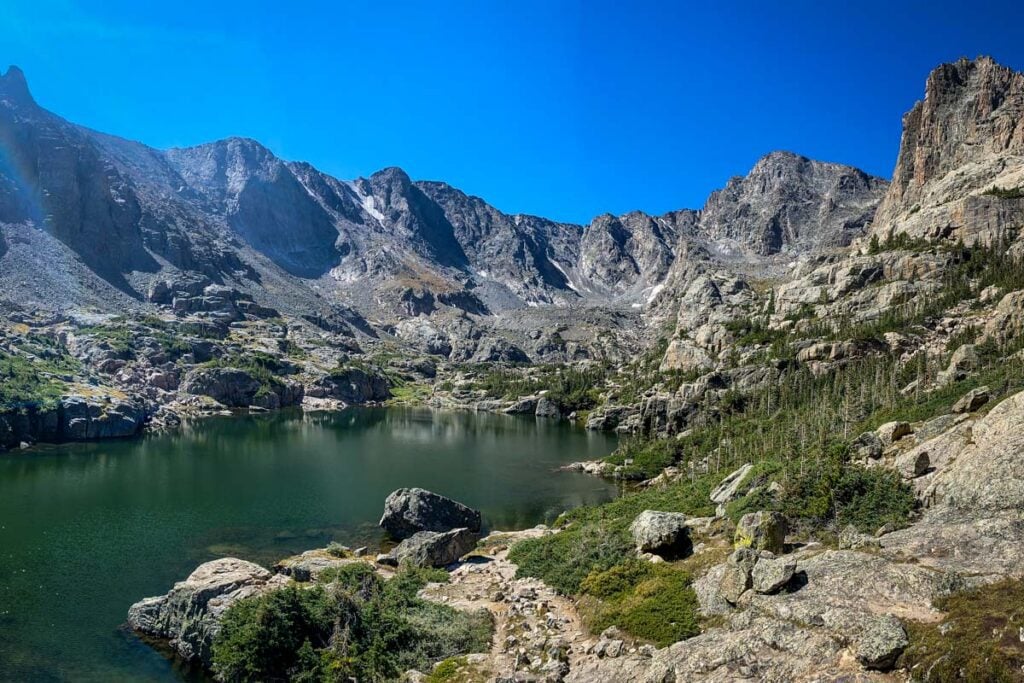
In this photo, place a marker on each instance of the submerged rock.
(409, 511)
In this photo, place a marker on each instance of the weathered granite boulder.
(881, 642)
(309, 565)
(410, 511)
(762, 531)
(771, 575)
(435, 549)
(972, 400)
(891, 432)
(728, 488)
(963, 362)
(662, 533)
(189, 615)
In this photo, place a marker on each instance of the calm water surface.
(87, 529)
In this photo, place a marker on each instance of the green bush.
(355, 625)
(269, 637)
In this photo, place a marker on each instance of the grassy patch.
(977, 640)
(651, 602)
(32, 383)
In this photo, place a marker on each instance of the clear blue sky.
(563, 109)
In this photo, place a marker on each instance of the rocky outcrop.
(351, 385)
(189, 615)
(238, 388)
(410, 511)
(73, 418)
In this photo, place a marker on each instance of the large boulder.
(546, 407)
(410, 511)
(972, 400)
(189, 615)
(867, 446)
(662, 533)
(762, 531)
(435, 549)
(891, 432)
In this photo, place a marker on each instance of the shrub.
(564, 560)
(356, 626)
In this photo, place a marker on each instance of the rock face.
(410, 511)
(435, 549)
(662, 533)
(963, 139)
(762, 531)
(237, 388)
(189, 615)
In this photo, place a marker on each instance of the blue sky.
(562, 109)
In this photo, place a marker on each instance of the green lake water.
(88, 529)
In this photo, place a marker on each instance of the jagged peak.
(14, 85)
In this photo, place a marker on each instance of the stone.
(913, 464)
(867, 446)
(891, 432)
(972, 400)
(881, 643)
(309, 565)
(771, 575)
(189, 615)
(409, 511)
(435, 549)
(762, 531)
(664, 534)
(735, 581)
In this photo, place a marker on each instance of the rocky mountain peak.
(965, 137)
(14, 86)
(790, 203)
